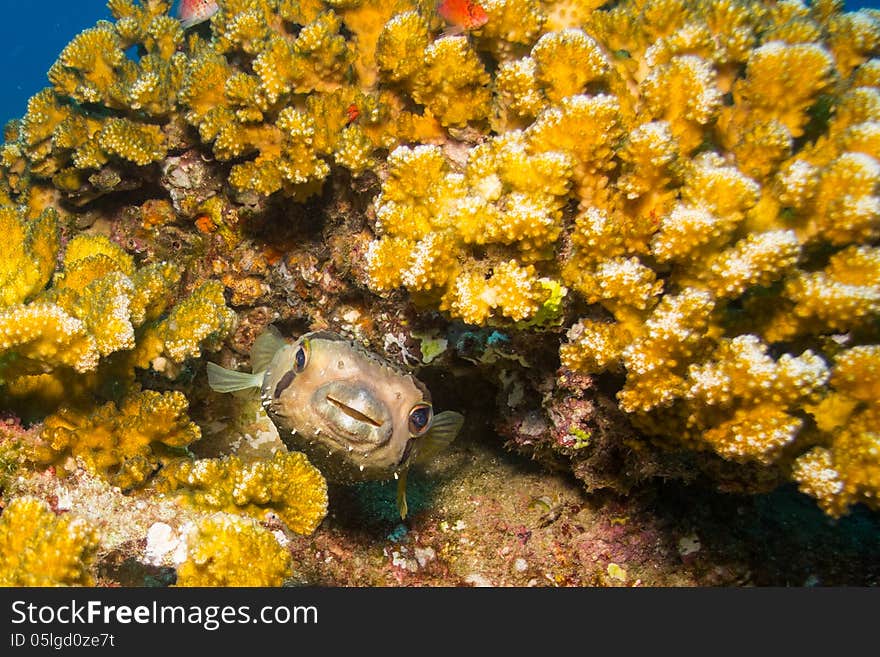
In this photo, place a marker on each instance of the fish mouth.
(353, 415)
(353, 412)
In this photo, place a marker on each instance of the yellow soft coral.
(782, 81)
(286, 485)
(433, 217)
(39, 548)
(518, 98)
(230, 551)
(131, 141)
(512, 25)
(754, 433)
(763, 393)
(846, 473)
(566, 62)
(513, 291)
(86, 68)
(201, 320)
(287, 156)
(124, 443)
(705, 174)
(843, 296)
(152, 89)
(847, 470)
(853, 39)
(203, 86)
(846, 205)
(685, 94)
(650, 157)
(41, 336)
(656, 362)
(27, 254)
(89, 250)
(401, 45)
(617, 282)
(325, 52)
(757, 261)
(586, 128)
(133, 20)
(101, 315)
(452, 82)
(594, 346)
(857, 373)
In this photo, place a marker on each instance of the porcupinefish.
(354, 415)
(193, 12)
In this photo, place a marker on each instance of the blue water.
(34, 33)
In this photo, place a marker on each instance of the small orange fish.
(352, 113)
(463, 14)
(193, 12)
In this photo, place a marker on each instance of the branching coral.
(452, 85)
(286, 485)
(74, 339)
(125, 444)
(62, 134)
(27, 254)
(770, 92)
(87, 68)
(437, 223)
(692, 187)
(201, 321)
(844, 470)
(39, 548)
(723, 209)
(100, 315)
(230, 551)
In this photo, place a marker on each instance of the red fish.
(193, 12)
(463, 14)
(352, 113)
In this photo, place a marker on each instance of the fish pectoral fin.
(452, 31)
(401, 495)
(444, 429)
(265, 347)
(223, 380)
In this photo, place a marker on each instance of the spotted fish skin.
(347, 410)
(193, 12)
(353, 414)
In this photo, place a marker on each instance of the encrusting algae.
(682, 195)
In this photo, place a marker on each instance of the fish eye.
(301, 357)
(420, 419)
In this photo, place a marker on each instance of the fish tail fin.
(401, 495)
(444, 429)
(223, 380)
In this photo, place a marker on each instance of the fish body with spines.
(355, 416)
